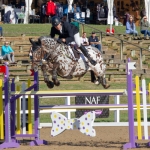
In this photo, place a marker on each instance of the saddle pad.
(74, 53)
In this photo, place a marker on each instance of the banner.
(101, 113)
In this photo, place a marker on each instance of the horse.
(61, 61)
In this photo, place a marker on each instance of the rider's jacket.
(68, 31)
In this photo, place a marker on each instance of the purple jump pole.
(13, 108)
(131, 143)
(8, 143)
(37, 140)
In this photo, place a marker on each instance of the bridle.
(36, 59)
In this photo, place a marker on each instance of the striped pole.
(145, 109)
(1, 112)
(13, 109)
(24, 109)
(131, 143)
(149, 92)
(29, 110)
(139, 130)
(18, 113)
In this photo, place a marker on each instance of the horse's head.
(41, 48)
(37, 53)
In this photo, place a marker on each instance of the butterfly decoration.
(84, 124)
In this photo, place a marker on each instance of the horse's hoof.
(50, 84)
(106, 86)
(57, 83)
(96, 82)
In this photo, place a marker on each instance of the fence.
(67, 101)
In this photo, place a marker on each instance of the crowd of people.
(92, 40)
(60, 10)
(144, 27)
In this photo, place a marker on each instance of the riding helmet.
(55, 21)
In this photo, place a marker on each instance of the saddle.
(75, 48)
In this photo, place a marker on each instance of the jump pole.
(37, 140)
(132, 143)
(8, 143)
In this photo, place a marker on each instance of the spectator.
(93, 41)
(114, 11)
(1, 31)
(130, 27)
(43, 12)
(144, 27)
(126, 17)
(7, 17)
(84, 40)
(17, 4)
(76, 10)
(7, 53)
(143, 12)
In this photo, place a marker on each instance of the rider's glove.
(59, 41)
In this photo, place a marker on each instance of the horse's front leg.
(46, 78)
(103, 81)
(54, 74)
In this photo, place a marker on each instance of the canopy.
(147, 9)
(110, 13)
(27, 11)
(70, 5)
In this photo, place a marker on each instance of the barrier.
(10, 119)
(11, 98)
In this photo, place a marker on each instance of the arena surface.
(107, 138)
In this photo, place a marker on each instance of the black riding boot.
(84, 51)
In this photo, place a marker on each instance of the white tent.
(110, 13)
(70, 5)
(27, 11)
(147, 9)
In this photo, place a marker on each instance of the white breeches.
(77, 39)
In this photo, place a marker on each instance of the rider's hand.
(59, 41)
(64, 40)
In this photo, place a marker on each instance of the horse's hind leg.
(93, 78)
(54, 74)
(46, 79)
(103, 81)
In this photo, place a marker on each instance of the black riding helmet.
(55, 21)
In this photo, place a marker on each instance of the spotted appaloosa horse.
(60, 60)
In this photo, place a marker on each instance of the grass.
(44, 29)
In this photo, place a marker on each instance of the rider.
(68, 33)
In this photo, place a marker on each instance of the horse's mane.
(46, 37)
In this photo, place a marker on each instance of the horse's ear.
(31, 41)
(39, 41)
